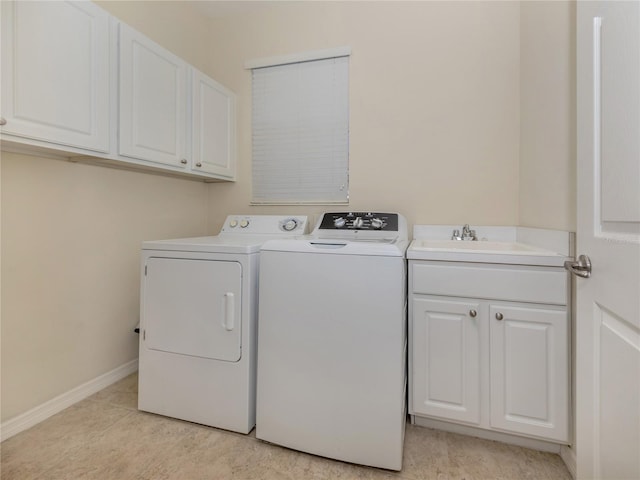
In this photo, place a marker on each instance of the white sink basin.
(505, 245)
(503, 248)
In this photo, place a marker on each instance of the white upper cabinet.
(78, 83)
(153, 101)
(55, 73)
(213, 126)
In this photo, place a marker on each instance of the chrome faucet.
(468, 234)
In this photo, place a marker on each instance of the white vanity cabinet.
(55, 74)
(489, 347)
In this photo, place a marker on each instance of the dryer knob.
(233, 223)
(244, 223)
(290, 225)
(358, 222)
(339, 222)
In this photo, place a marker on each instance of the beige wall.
(71, 237)
(434, 102)
(547, 122)
(172, 24)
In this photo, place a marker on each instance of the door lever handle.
(580, 268)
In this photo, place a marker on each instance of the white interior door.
(608, 303)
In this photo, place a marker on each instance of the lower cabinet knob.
(198, 164)
(183, 161)
(499, 316)
(473, 313)
(3, 121)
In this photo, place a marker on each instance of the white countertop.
(504, 245)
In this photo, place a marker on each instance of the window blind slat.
(301, 132)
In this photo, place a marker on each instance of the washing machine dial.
(290, 225)
(233, 223)
(244, 223)
(358, 222)
(339, 222)
(377, 223)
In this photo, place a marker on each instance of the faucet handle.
(456, 235)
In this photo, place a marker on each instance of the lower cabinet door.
(529, 370)
(446, 359)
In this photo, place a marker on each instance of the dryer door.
(193, 307)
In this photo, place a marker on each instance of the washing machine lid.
(332, 246)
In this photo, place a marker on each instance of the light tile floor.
(104, 437)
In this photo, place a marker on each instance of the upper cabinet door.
(153, 97)
(55, 73)
(213, 126)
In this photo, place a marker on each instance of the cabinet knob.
(183, 161)
(473, 313)
(499, 316)
(3, 121)
(198, 164)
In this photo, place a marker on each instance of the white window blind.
(301, 132)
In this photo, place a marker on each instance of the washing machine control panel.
(372, 221)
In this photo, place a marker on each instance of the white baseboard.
(37, 414)
(568, 456)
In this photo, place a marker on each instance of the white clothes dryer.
(198, 313)
(333, 338)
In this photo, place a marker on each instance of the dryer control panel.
(265, 224)
(372, 221)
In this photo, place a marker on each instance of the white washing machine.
(198, 313)
(332, 340)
